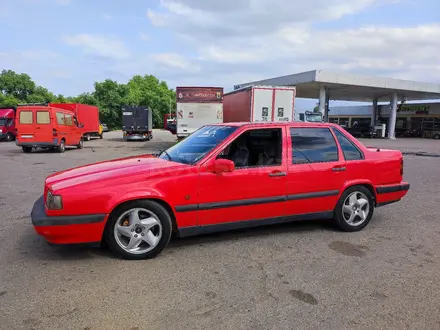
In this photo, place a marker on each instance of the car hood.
(117, 168)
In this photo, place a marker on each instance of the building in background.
(419, 118)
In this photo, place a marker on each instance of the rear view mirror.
(221, 166)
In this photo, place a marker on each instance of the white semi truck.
(197, 106)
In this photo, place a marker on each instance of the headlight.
(53, 202)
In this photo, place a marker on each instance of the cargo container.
(137, 123)
(259, 103)
(87, 115)
(196, 107)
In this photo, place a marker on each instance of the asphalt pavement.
(297, 276)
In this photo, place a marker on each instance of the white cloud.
(98, 45)
(266, 38)
(175, 61)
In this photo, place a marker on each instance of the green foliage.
(108, 95)
(19, 86)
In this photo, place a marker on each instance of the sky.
(67, 45)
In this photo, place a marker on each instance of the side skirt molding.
(227, 226)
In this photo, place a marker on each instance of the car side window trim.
(351, 142)
(308, 161)
(241, 133)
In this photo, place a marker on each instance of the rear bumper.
(388, 194)
(54, 143)
(67, 229)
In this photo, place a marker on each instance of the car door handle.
(338, 168)
(277, 173)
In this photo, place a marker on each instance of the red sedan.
(221, 177)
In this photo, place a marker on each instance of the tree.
(19, 86)
(108, 95)
(151, 92)
(40, 95)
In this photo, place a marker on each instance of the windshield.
(3, 121)
(198, 144)
(314, 118)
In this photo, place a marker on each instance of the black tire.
(10, 137)
(27, 150)
(88, 138)
(62, 147)
(100, 136)
(340, 217)
(80, 145)
(163, 217)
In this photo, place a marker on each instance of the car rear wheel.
(62, 146)
(139, 230)
(354, 209)
(27, 149)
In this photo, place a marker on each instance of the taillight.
(401, 167)
(54, 132)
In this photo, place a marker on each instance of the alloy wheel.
(355, 208)
(137, 231)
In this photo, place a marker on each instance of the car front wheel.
(354, 209)
(139, 230)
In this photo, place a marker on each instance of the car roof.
(268, 124)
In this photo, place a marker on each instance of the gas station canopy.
(350, 87)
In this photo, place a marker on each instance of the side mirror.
(80, 125)
(221, 166)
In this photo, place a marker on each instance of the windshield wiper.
(166, 153)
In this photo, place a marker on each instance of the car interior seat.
(267, 157)
(241, 155)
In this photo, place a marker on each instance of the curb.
(420, 153)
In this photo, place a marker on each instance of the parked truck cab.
(7, 123)
(47, 127)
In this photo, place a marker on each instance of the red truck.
(87, 115)
(259, 103)
(7, 123)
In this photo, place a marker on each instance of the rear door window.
(43, 117)
(60, 118)
(350, 151)
(26, 117)
(313, 145)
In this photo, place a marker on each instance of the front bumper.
(72, 229)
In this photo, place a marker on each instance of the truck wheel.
(62, 147)
(80, 145)
(100, 136)
(138, 230)
(354, 209)
(9, 137)
(27, 150)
